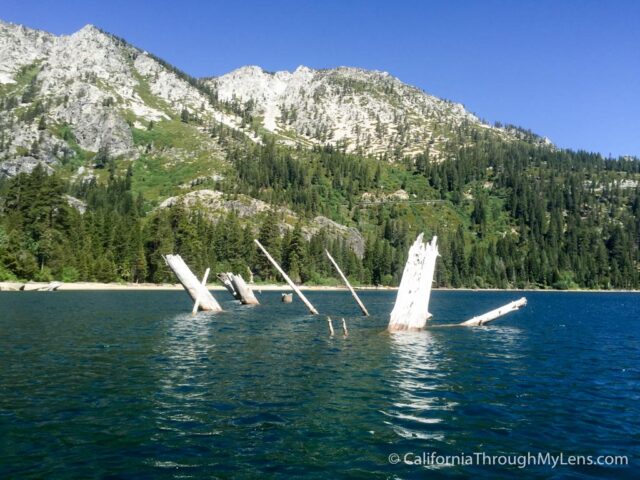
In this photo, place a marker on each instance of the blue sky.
(566, 69)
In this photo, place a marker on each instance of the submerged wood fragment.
(40, 287)
(204, 282)
(225, 278)
(247, 296)
(344, 328)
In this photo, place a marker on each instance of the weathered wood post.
(196, 290)
(247, 296)
(331, 332)
(225, 278)
(411, 310)
(311, 308)
(204, 282)
(346, 282)
(344, 328)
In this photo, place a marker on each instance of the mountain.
(68, 95)
(111, 158)
(365, 112)
(65, 95)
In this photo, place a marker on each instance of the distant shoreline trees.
(511, 215)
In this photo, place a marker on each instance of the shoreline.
(97, 286)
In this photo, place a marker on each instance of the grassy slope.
(177, 153)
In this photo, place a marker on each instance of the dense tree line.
(42, 237)
(507, 214)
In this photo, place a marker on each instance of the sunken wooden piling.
(411, 310)
(331, 332)
(225, 279)
(236, 285)
(346, 282)
(295, 288)
(247, 296)
(196, 290)
(344, 328)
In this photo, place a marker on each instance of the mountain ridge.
(103, 88)
(366, 111)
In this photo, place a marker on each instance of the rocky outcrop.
(76, 203)
(370, 112)
(350, 235)
(216, 204)
(96, 84)
(11, 168)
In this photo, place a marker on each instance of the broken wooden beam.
(346, 282)
(496, 313)
(225, 278)
(236, 285)
(411, 310)
(295, 288)
(196, 290)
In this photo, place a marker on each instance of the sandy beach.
(89, 286)
(95, 286)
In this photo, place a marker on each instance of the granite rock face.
(363, 111)
(86, 90)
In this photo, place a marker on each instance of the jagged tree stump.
(411, 310)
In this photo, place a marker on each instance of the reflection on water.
(443, 375)
(419, 378)
(184, 384)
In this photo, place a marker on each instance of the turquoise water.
(130, 385)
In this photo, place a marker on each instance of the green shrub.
(70, 274)
(43, 275)
(6, 275)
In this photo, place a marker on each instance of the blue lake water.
(130, 385)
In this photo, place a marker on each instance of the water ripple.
(130, 385)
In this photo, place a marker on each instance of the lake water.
(130, 385)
